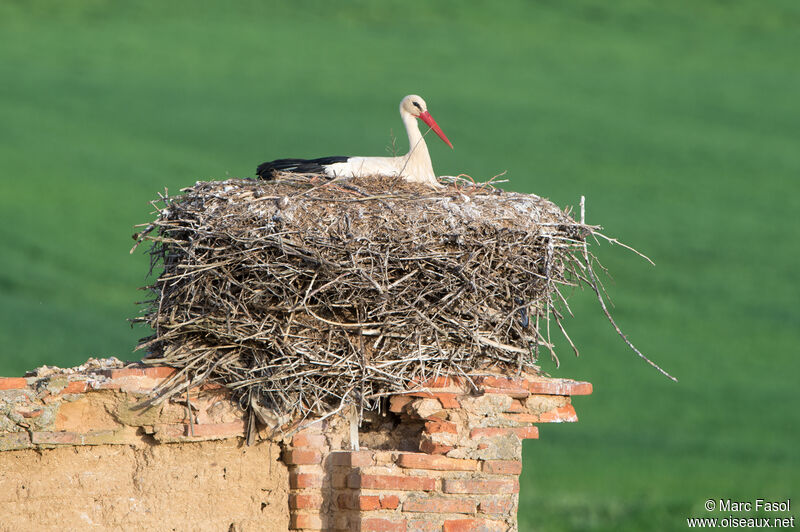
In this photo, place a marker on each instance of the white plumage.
(415, 166)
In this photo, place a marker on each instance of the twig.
(593, 285)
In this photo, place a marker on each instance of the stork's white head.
(415, 106)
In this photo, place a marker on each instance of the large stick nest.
(305, 295)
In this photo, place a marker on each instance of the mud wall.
(83, 449)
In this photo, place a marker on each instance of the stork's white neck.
(418, 160)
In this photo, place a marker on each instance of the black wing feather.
(300, 166)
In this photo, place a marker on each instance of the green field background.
(679, 122)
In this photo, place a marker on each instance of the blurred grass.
(679, 122)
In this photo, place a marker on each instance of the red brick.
(504, 385)
(522, 433)
(439, 505)
(305, 501)
(304, 480)
(367, 503)
(381, 525)
(126, 372)
(389, 502)
(516, 406)
(523, 417)
(427, 446)
(159, 372)
(442, 381)
(496, 381)
(441, 463)
(473, 525)
(489, 432)
(518, 393)
(61, 438)
(391, 482)
(526, 433)
(75, 387)
(302, 457)
(448, 400)
(502, 467)
(452, 485)
(559, 387)
(306, 439)
(433, 427)
(351, 458)
(13, 383)
(307, 521)
(138, 383)
(561, 414)
(497, 506)
(398, 402)
(152, 372)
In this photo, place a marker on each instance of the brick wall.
(455, 468)
(446, 456)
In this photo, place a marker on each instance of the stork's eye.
(417, 105)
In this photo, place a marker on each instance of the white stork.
(415, 166)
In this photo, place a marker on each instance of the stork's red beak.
(426, 117)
